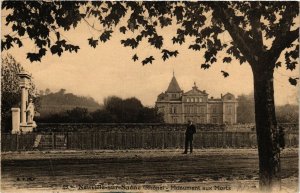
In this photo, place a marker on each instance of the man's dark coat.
(190, 131)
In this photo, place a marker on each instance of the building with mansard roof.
(178, 106)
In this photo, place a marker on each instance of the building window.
(174, 95)
(173, 110)
(188, 100)
(202, 120)
(197, 100)
(202, 109)
(229, 110)
(192, 100)
(200, 99)
(214, 120)
(214, 109)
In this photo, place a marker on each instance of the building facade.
(178, 106)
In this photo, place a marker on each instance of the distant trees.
(287, 113)
(245, 112)
(245, 109)
(115, 110)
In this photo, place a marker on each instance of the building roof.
(174, 86)
(195, 91)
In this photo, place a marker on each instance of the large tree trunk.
(266, 129)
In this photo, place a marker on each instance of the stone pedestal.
(19, 116)
(26, 128)
(15, 120)
(24, 84)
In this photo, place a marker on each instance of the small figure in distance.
(190, 131)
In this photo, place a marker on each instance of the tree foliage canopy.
(259, 31)
(116, 110)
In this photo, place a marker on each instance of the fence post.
(18, 143)
(67, 140)
(53, 140)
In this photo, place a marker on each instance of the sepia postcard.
(149, 96)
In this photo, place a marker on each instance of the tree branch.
(282, 42)
(243, 41)
(254, 18)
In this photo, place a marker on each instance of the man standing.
(190, 131)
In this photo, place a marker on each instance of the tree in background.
(287, 113)
(115, 110)
(245, 109)
(284, 113)
(259, 33)
(150, 115)
(78, 115)
(47, 91)
(130, 110)
(102, 116)
(113, 105)
(11, 91)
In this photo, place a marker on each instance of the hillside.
(60, 101)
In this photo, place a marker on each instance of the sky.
(109, 70)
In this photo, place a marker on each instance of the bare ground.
(165, 170)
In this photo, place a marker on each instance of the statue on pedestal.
(30, 110)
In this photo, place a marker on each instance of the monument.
(22, 119)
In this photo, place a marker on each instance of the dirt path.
(72, 170)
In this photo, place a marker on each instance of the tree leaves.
(225, 74)
(105, 35)
(291, 58)
(179, 39)
(7, 42)
(123, 29)
(93, 42)
(165, 21)
(278, 64)
(178, 12)
(227, 59)
(156, 41)
(234, 51)
(293, 81)
(167, 54)
(130, 42)
(148, 60)
(33, 57)
(205, 66)
(58, 47)
(41, 19)
(195, 47)
(135, 57)
(21, 30)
